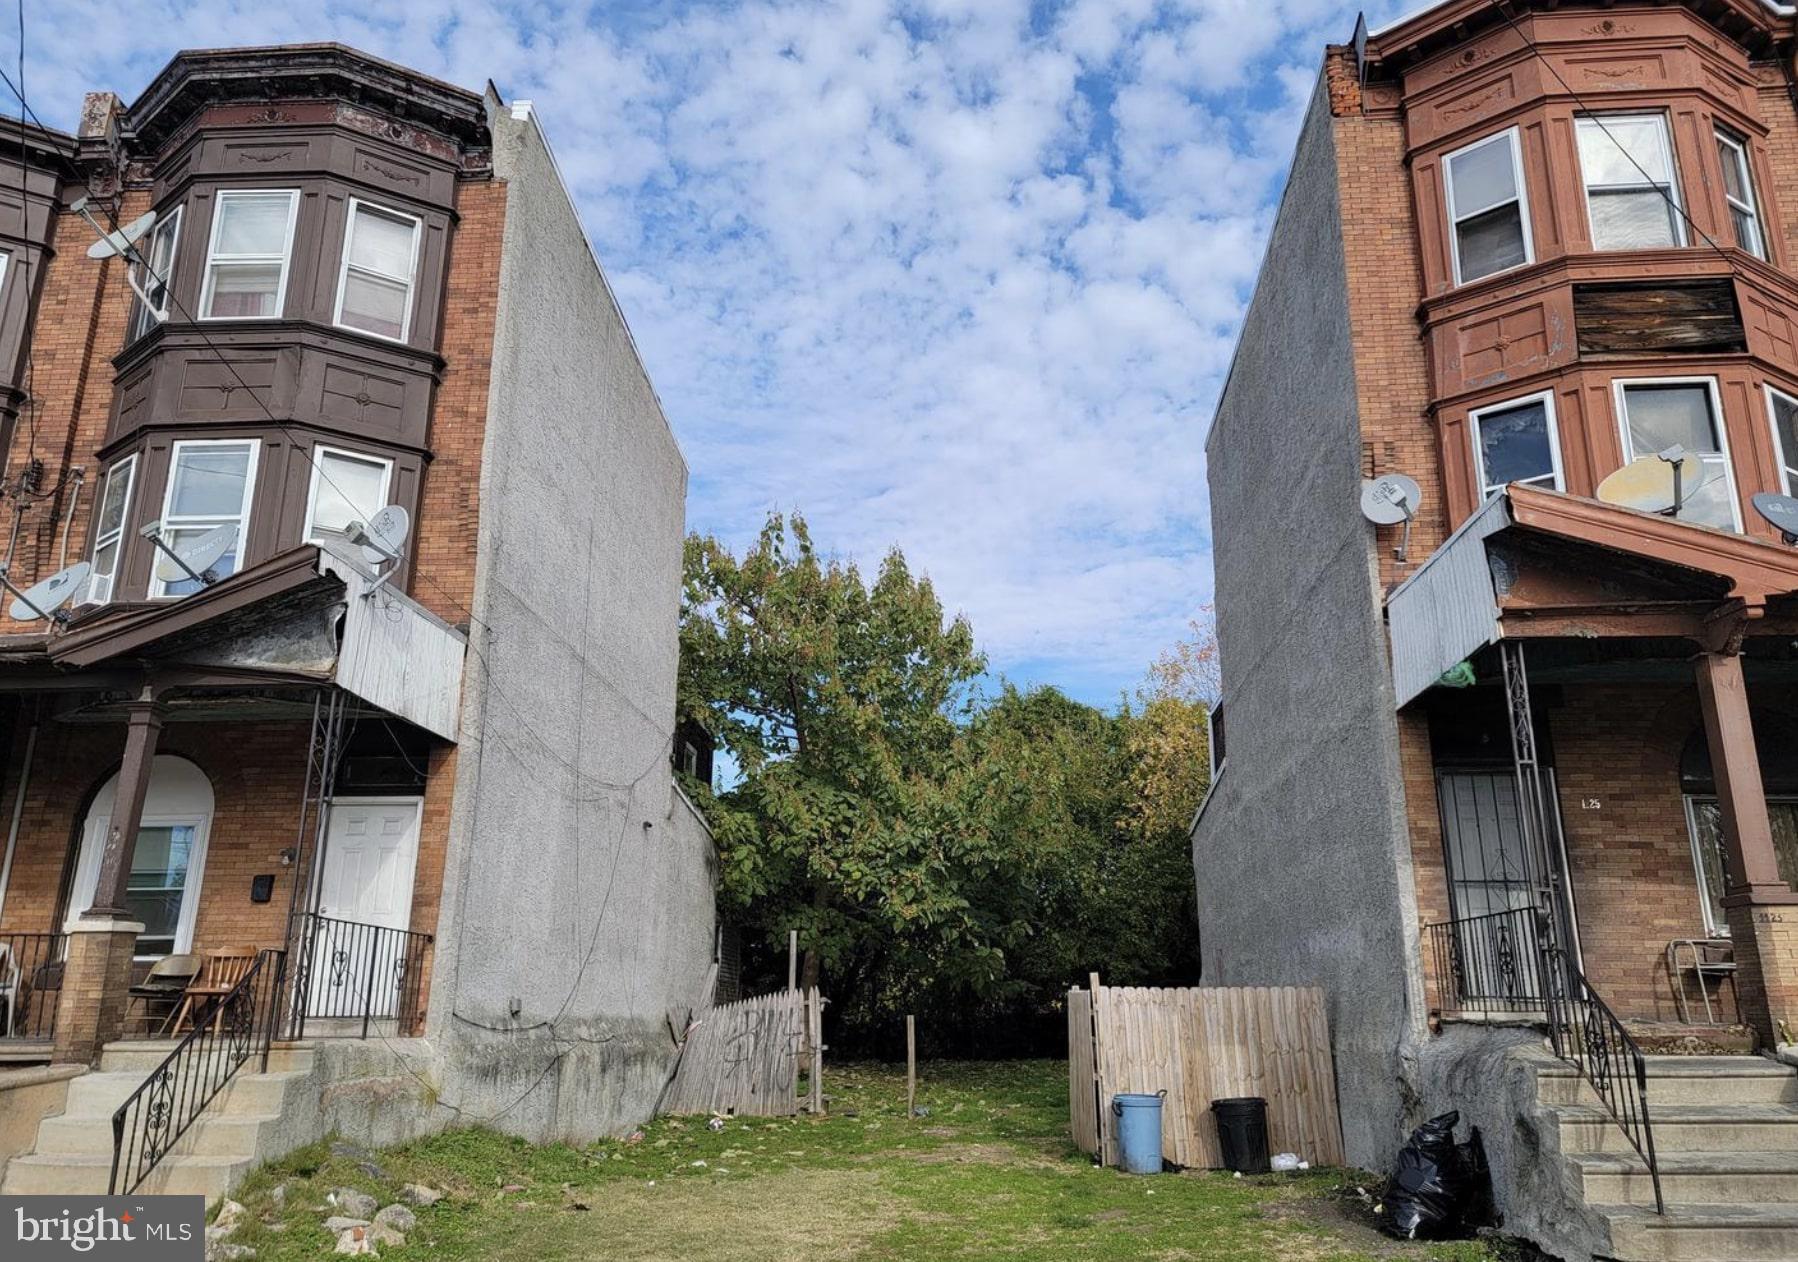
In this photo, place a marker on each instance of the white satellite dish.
(122, 241)
(45, 599)
(383, 536)
(1390, 499)
(1660, 483)
(195, 561)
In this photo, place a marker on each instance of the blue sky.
(962, 276)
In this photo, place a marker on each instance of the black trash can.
(1242, 1134)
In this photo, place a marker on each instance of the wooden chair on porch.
(220, 970)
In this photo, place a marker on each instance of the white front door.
(365, 887)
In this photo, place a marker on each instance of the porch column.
(90, 1010)
(1762, 909)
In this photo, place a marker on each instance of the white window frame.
(1772, 393)
(1515, 141)
(5, 266)
(158, 588)
(129, 466)
(319, 452)
(144, 317)
(1618, 386)
(1751, 207)
(1547, 399)
(1601, 119)
(343, 267)
(285, 258)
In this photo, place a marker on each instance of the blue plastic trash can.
(1139, 1131)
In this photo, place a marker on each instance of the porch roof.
(314, 614)
(1539, 563)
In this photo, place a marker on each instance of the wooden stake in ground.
(792, 959)
(911, 1066)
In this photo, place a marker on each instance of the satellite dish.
(121, 241)
(1390, 499)
(1660, 483)
(43, 600)
(384, 535)
(196, 560)
(1781, 511)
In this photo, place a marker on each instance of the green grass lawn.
(989, 1173)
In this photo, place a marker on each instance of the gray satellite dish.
(1781, 511)
(45, 599)
(196, 560)
(123, 241)
(1390, 499)
(383, 536)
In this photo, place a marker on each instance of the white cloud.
(890, 263)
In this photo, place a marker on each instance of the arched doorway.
(163, 890)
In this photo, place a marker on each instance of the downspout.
(79, 475)
(18, 809)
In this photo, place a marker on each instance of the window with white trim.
(248, 255)
(1782, 412)
(1685, 412)
(5, 266)
(1488, 210)
(1704, 821)
(157, 276)
(210, 485)
(1738, 191)
(1517, 441)
(346, 487)
(109, 529)
(1632, 195)
(380, 256)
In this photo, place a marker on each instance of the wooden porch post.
(1762, 909)
(90, 1009)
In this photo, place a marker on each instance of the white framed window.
(1517, 441)
(5, 266)
(1704, 822)
(109, 529)
(1738, 191)
(1655, 413)
(1632, 191)
(380, 258)
(160, 274)
(347, 486)
(248, 254)
(211, 482)
(1488, 207)
(1782, 415)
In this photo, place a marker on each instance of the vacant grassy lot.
(988, 1173)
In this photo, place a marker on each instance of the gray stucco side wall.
(1300, 853)
(578, 916)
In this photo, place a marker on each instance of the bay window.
(247, 259)
(211, 482)
(158, 276)
(1488, 209)
(1665, 412)
(1632, 196)
(346, 487)
(1516, 441)
(1782, 411)
(1738, 191)
(109, 529)
(380, 255)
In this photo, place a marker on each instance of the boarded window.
(1696, 316)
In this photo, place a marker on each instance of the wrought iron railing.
(31, 967)
(1587, 1035)
(351, 978)
(230, 1030)
(1490, 963)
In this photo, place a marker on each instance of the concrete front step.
(1687, 1080)
(87, 1175)
(1690, 1178)
(1684, 1128)
(231, 1135)
(1703, 1233)
(100, 1094)
(141, 1056)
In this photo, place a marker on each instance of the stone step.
(1588, 1128)
(1703, 1233)
(141, 1056)
(1690, 1178)
(99, 1094)
(230, 1135)
(1686, 1080)
(35, 1175)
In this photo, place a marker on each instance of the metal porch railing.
(234, 1029)
(1490, 963)
(31, 967)
(349, 976)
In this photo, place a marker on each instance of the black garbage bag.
(1481, 1211)
(1426, 1196)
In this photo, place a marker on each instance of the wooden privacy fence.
(1201, 1045)
(744, 1057)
